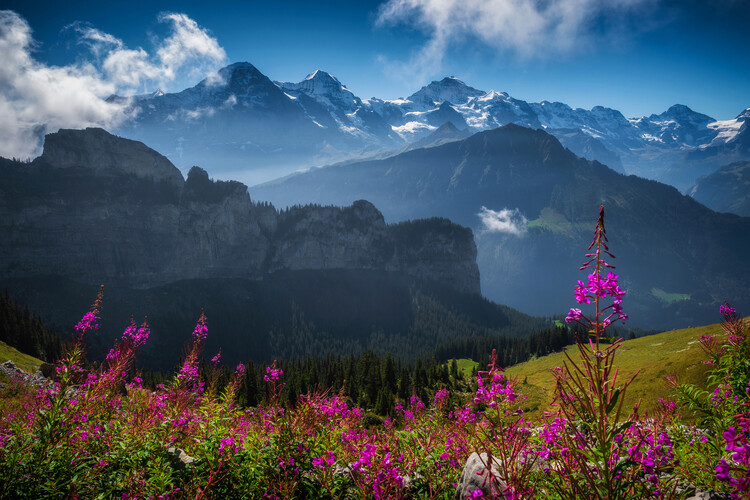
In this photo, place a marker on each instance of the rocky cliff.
(99, 208)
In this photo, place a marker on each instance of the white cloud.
(188, 49)
(527, 28)
(503, 221)
(188, 43)
(36, 98)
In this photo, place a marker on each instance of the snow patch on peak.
(493, 96)
(727, 130)
(326, 89)
(448, 89)
(319, 74)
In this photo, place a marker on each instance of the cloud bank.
(503, 221)
(36, 98)
(526, 28)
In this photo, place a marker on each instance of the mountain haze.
(726, 190)
(532, 204)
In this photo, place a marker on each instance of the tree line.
(25, 331)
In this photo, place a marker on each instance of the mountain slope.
(541, 201)
(726, 190)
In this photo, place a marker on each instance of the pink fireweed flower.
(598, 287)
(322, 462)
(416, 404)
(574, 315)
(727, 311)
(89, 320)
(201, 329)
(441, 397)
(581, 293)
(273, 373)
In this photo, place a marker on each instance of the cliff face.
(96, 208)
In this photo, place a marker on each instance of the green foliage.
(722, 410)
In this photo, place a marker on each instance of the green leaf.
(613, 401)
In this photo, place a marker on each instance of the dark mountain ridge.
(98, 207)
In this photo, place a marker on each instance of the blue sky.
(638, 56)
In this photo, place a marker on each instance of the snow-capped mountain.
(240, 120)
(332, 106)
(678, 126)
(731, 131)
(325, 89)
(448, 89)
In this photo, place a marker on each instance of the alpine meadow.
(518, 271)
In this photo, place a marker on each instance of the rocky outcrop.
(99, 208)
(477, 476)
(180, 459)
(103, 153)
(10, 371)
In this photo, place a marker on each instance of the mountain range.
(532, 203)
(241, 124)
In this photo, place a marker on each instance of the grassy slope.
(25, 362)
(465, 366)
(677, 352)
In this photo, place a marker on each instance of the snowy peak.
(322, 76)
(684, 115)
(679, 126)
(449, 89)
(319, 83)
(239, 75)
(324, 88)
(493, 96)
(609, 116)
(735, 131)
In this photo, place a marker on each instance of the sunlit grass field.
(25, 362)
(675, 353)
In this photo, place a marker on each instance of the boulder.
(476, 476)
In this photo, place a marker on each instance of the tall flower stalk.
(594, 460)
(598, 288)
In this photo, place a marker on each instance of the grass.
(669, 297)
(676, 352)
(465, 366)
(27, 363)
(552, 221)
